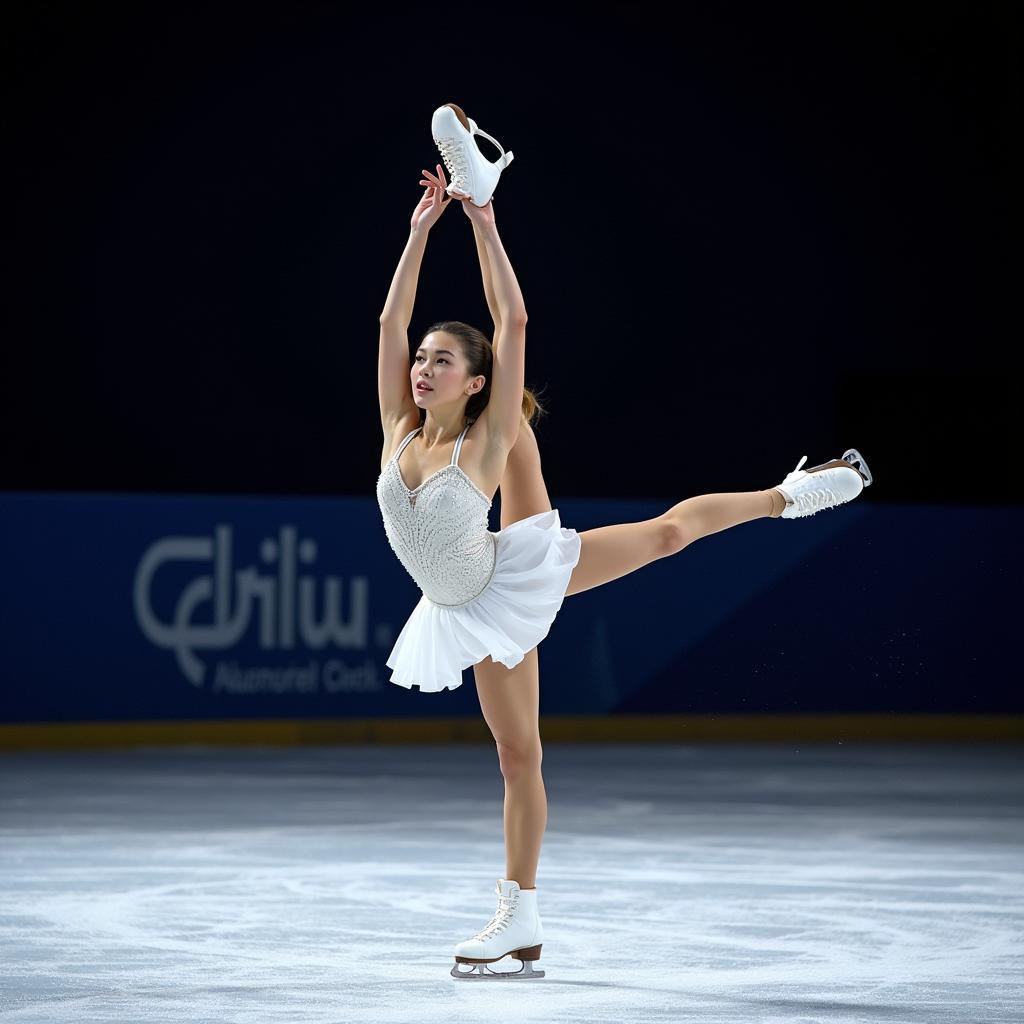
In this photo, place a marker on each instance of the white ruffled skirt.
(534, 561)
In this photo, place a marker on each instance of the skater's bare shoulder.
(485, 453)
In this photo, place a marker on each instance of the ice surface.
(702, 882)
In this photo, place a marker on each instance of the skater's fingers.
(437, 179)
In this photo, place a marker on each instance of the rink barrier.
(762, 728)
(222, 619)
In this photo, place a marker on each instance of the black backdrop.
(757, 233)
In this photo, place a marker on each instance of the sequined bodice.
(439, 529)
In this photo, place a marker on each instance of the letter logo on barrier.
(284, 605)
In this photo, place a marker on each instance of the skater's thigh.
(522, 488)
(610, 552)
(510, 701)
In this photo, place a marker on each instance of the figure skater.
(457, 427)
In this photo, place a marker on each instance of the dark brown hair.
(479, 354)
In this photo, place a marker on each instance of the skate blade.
(851, 455)
(482, 972)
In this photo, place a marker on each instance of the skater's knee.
(518, 757)
(672, 536)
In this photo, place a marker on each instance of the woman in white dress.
(426, 424)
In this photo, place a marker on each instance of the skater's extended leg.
(710, 513)
(610, 552)
(523, 491)
(510, 701)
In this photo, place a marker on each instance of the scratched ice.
(712, 883)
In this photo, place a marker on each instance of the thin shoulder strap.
(458, 445)
(408, 438)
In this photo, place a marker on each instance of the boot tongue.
(506, 886)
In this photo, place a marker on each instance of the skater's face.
(440, 364)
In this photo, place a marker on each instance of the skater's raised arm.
(485, 273)
(393, 354)
(481, 252)
(506, 402)
(507, 299)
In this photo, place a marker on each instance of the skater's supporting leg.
(510, 698)
(510, 701)
(523, 491)
(610, 552)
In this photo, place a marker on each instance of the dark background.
(755, 234)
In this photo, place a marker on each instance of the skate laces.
(814, 499)
(453, 154)
(819, 498)
(500, 920)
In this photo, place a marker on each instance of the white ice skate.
(832, 483)
(471, 172)
(515, 930)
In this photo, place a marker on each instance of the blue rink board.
(159, 607)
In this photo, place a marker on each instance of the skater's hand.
(432, 205)
(482, 215)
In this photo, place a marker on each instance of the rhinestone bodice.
(439, 529)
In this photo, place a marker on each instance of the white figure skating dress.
(484, 593)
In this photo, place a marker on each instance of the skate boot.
(471, 172)
(832, 483)
(515, 930)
